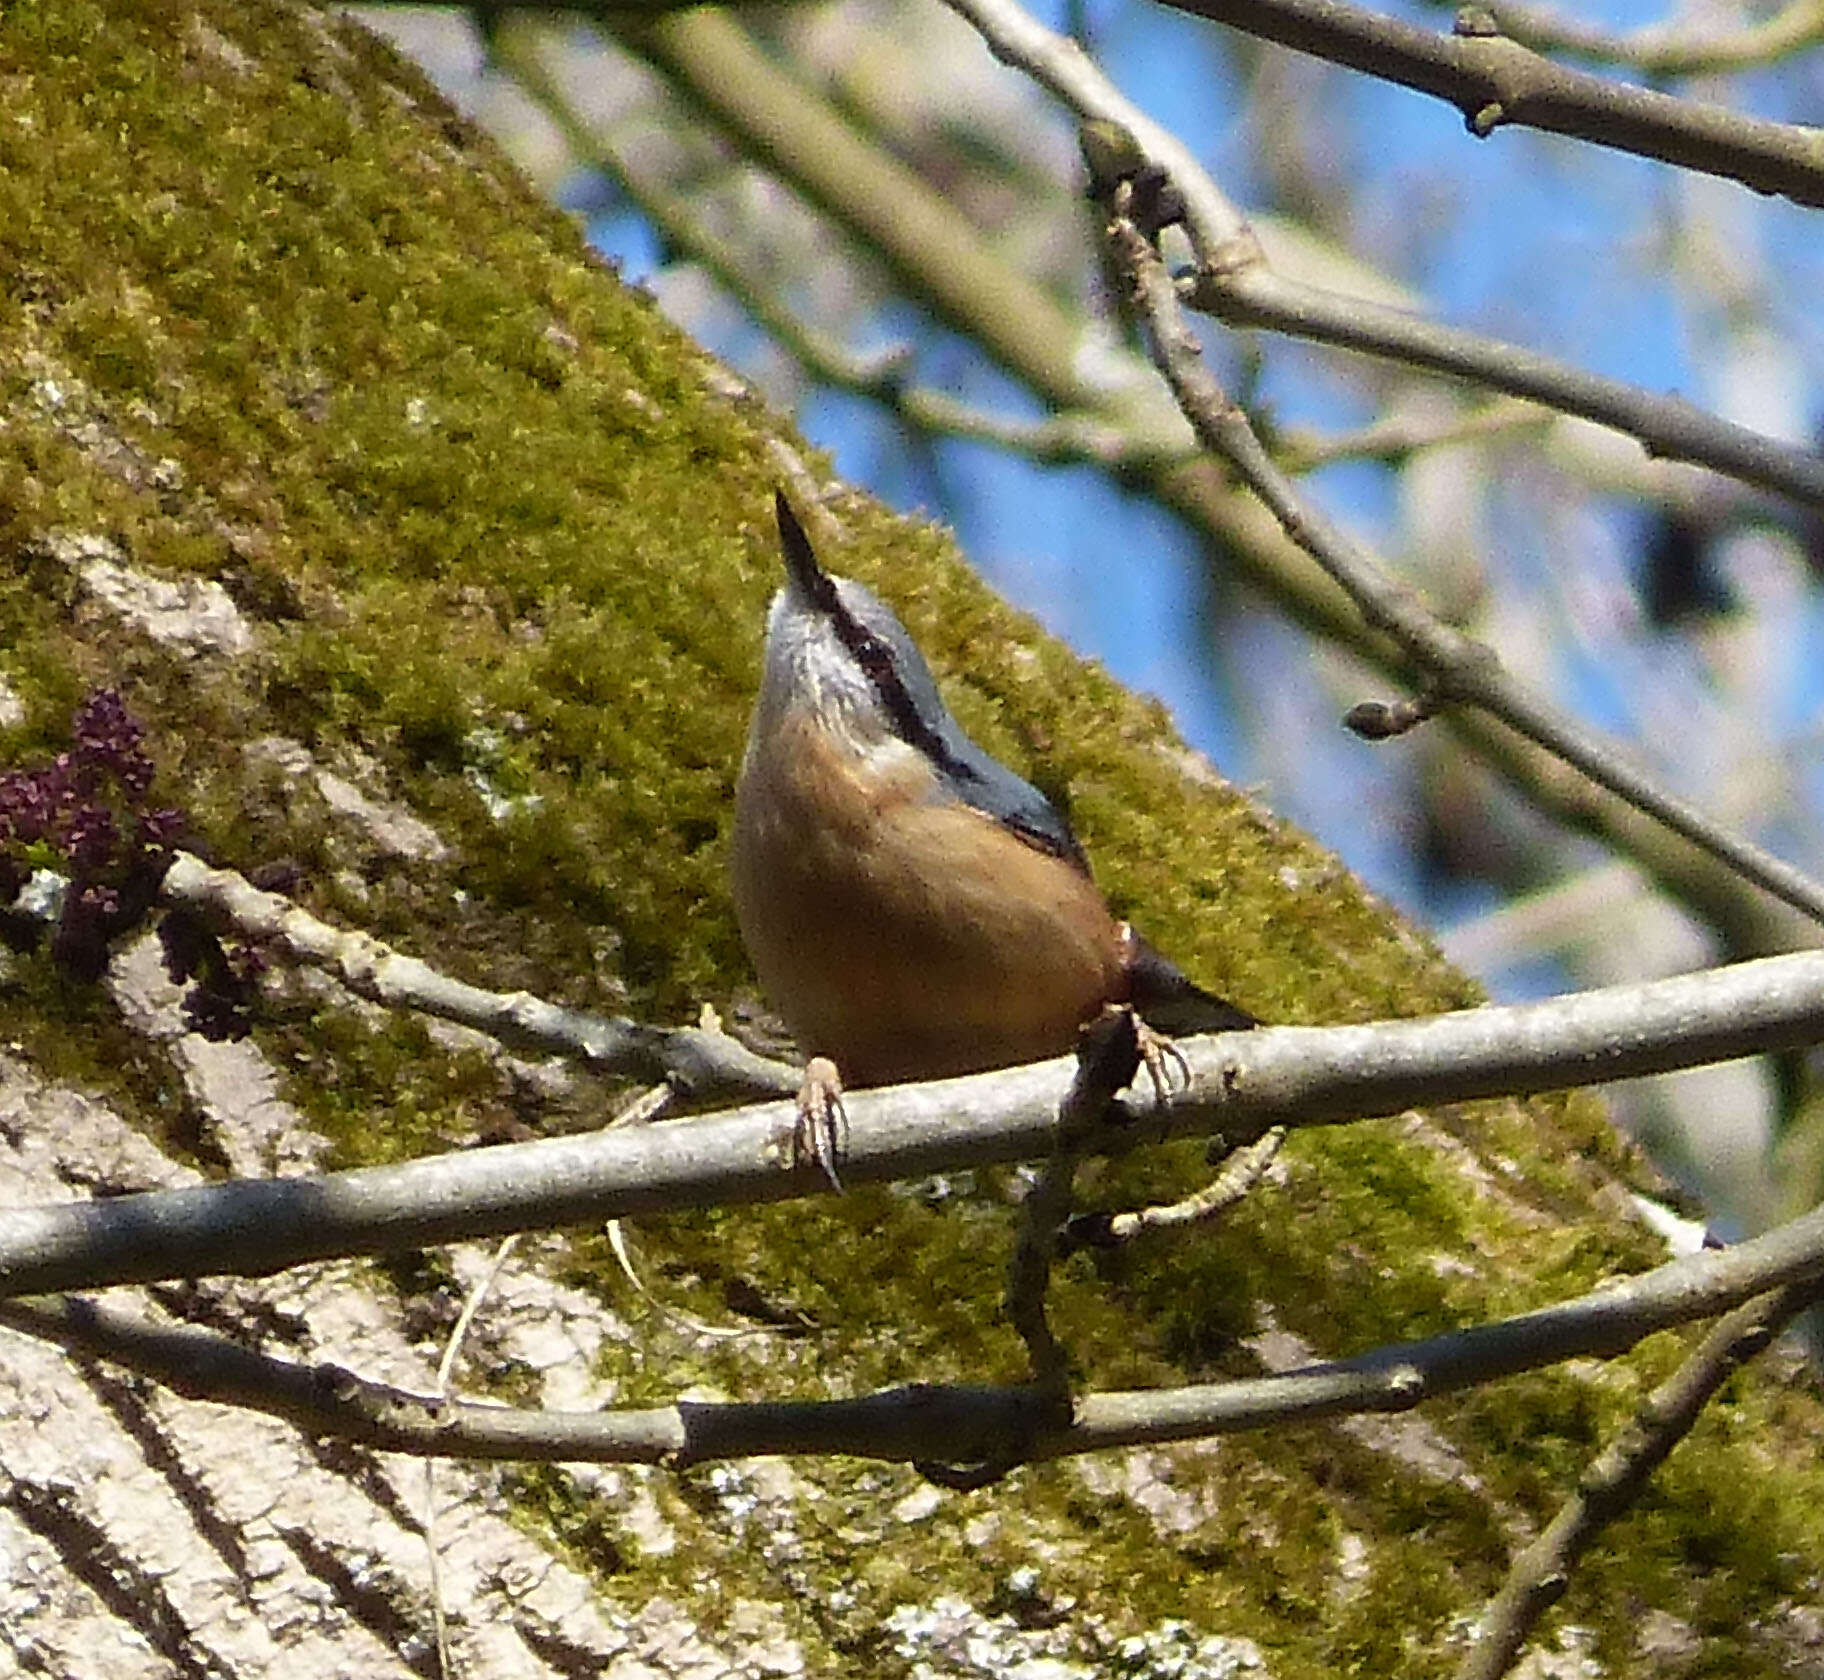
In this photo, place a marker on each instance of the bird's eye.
(873, 656)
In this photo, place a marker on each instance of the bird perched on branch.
(913, 908)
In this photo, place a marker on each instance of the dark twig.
(1042, 1217)
(1617, 1475)
(927, 1422)
(1107, 1059)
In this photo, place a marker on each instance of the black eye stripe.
(874, 654)
(994, 791)
(875, 658)
(869, 650)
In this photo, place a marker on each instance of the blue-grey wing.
(991, 788)
(966, 771)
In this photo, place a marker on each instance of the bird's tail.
(1169, 1001)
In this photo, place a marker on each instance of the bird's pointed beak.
(808, 579)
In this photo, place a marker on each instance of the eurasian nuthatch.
(914, 908)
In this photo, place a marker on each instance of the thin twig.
(705, 1064)
(1619, 1473)
(1237, 285)
(1042, 1217)
(983, 1424)
(1497, 82)
(1241, 1172)
(1456, 668)
(1241, 1084)
(1045, 1400)
(649, 1106)
(1666, 49)
(1107, 1059)
(452, 1349)
(1399, 436)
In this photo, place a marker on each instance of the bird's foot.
(821, 1133)
(1159, 1055)
(1122, 1032)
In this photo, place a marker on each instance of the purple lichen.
(87, 816)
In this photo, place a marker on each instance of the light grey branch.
(1240, 1085)
(704, 1064)
(1236, 284)
(1455, 667)
(1239, 1174)
(1678, 49)
(1619, 1473)
(977, 1424)
(1598, 1325)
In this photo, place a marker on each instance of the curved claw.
(1160, 1054)
(821, 1132)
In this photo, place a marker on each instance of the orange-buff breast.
(905, 937)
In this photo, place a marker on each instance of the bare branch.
(706, 1064)
(884, 376)
(1666, 49)
(1457, 668)
(1042, 1217)
(1618, 1475)
(1241, 1084)
(1235, 283)
(1240, 1173)
(1399, 436)
(929, 1422)
(1496, 82)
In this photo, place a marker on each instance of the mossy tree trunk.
(434, 562)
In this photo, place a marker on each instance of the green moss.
(542, 1492)
(380, 1092)
(71, 1032)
